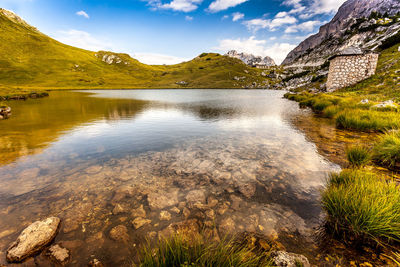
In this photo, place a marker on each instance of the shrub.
(179, 251)
(387, 150)
(320, 105)
(358, 156)
(362, 207)
(391, 41)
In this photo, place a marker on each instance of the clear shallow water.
(222, 160)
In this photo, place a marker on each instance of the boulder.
(286, 259)
(33, 239)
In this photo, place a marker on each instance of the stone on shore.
(33, 239)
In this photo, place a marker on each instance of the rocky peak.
(14, 18)
(250, 59)
(337, 28)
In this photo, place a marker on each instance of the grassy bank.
(199, 251)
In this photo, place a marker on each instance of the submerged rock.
(139, 222)
(59, 253)
(95, 263)
(33, 239)
(286, 259)
(120, 233)
(161, 200)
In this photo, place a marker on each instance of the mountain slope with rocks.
(252, 60)
(363, 23)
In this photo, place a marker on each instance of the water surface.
(225, 161)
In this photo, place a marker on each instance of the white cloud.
(237, 16)
(158, 59)
(325, 6)
(277, 51)
(189, 18)
(307, 26)
(282, 18)
(225, 17)
(219, 5)
(82, 39)
(296, 5)
(83, 14)
(176, 5)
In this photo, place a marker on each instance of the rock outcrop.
(33, 239)
(352, 26)
(250, 59)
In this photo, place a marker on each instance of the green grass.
(387, 150)
(362, 206)
(367, 120)
(31, 60)
(358, 156)
(201, 252)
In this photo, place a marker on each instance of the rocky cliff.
(353, 25)
(250, 59)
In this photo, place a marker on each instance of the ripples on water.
(222, 160)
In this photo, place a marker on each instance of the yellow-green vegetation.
(347, 107)
(31, 61)
(358, 156)
(201, 252)
(387, 150)
(362, 207)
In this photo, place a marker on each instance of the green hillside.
(32, 60)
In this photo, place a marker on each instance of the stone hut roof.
(350, 51)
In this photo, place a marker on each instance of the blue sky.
(170, 31)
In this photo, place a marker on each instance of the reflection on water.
(226, 161)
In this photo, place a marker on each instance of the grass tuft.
(180, 251)
(387, 149)
(362, 206)
(358, 156)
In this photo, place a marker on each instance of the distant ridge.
(250, 59)
(31, 59)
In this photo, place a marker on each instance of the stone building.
(349, 67)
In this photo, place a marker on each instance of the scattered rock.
(139, 212)
(286, 259)
(139, 222)
(95, 263)
(165, 215)
(196, 196)
(189, 229)
(5, 112)
(58, 253)
(161, 200)
(364, 101)
(120, 233)
(175, 210)
(33, 239)
(227, 226)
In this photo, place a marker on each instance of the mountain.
(357, 23)
(250, 59)
(31, 59)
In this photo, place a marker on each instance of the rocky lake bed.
(236, 166)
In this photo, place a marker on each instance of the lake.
(154, 161)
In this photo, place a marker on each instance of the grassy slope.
(30, 59)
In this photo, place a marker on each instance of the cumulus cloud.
(307, 26)
(82, 39)
(277, 51)
(219, 5)
(189, 18)
(326, 6)
(237, 16)
(158, 59)
(83, 14)
(282, 18)
(176, 5)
